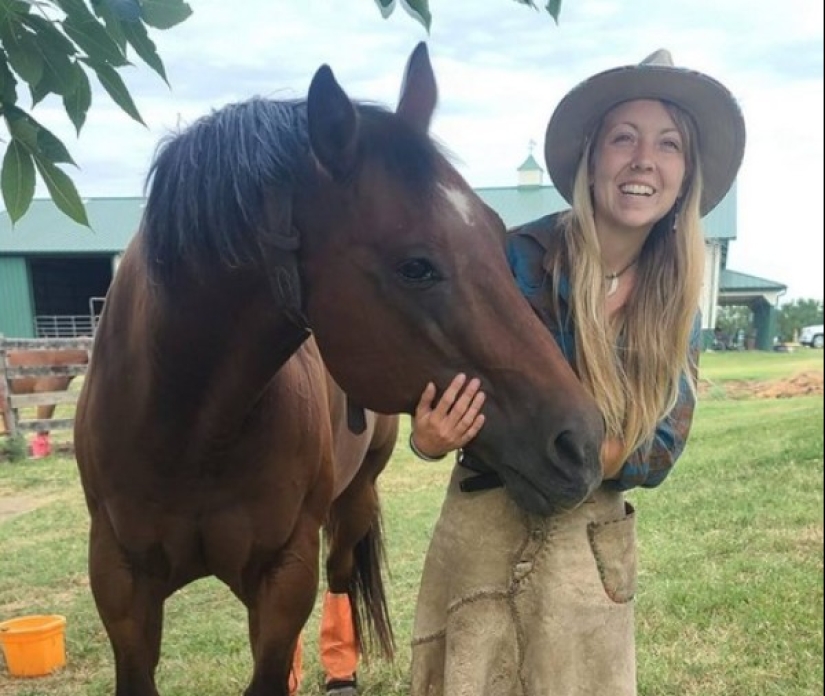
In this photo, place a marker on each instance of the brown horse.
(204, 436)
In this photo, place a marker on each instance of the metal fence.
(70, 325)
(64, 325)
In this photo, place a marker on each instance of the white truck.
(811, 336)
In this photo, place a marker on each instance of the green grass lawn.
(731, 567)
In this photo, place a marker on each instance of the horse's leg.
(279, 602)
(296, 675)
(339, 644)
(130, 605)
(354, 568)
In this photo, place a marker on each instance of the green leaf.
(48, 85)
(554, 8)
(93, 38)
(138, 38)
(62, 190)
(8, 82)
(51, 147)
(420, 10)
(36, 137)
(78, 102)
(113, 24)
(76, 9)
(23, 128)
(55, 50)
(17, 180)
(46, 32)
(21, 49)
(386, 7)
(123, 10)
(164, 14)
(11, 10)
(113, 84)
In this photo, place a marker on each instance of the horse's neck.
(206, 349)
(232, 340)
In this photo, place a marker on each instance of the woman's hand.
(452, 422)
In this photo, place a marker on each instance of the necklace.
(614, 277)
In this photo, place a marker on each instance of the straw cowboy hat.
(713, 108)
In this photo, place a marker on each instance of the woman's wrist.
(418, 453)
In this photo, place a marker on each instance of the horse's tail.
(367, 595)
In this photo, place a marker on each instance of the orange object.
(339, 650)
(34, 645)
(296, 675)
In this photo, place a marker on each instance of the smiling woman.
(545, 604)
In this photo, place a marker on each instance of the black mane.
(214, 186)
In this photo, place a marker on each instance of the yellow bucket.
(34, 645)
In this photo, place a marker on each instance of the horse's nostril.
(570, 448)
(576, 465)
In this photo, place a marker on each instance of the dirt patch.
(808, 383)
(13, 505)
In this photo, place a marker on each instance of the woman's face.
(638, 166)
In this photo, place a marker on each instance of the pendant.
(614, 285)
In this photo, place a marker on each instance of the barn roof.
(45, 230)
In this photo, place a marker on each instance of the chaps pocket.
(614, 547)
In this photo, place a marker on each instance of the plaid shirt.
(527, 249)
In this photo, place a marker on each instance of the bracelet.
(426, 457)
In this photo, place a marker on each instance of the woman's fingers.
(454, 420)
(448, 398)
(425, 403)
(466, 407)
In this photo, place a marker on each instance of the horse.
(275, 233)
(40, 385)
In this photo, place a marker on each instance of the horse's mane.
(214, 187)
(207, 183)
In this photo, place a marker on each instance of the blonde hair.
(633, 365)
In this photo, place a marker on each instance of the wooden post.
(8, 415)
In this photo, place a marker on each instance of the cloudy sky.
(501, 69)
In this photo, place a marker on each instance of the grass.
(757, 365)
(731, 563)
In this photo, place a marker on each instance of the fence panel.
(36, 372)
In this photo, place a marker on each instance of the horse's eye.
(418, 271)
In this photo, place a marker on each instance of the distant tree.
(792, 316)
(731, 319)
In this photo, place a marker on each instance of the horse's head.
(407, 281)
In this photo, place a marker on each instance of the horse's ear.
(333, 124)
(419, 92)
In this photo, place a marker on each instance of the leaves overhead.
(420, 9)
(52, 47)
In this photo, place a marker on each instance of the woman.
(512, 604)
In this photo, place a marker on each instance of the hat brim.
(719, 121)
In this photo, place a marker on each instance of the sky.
(501, 69)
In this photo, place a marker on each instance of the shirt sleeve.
(649, 465)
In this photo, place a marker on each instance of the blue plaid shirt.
(648, 466)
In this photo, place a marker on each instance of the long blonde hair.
(633, 365)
